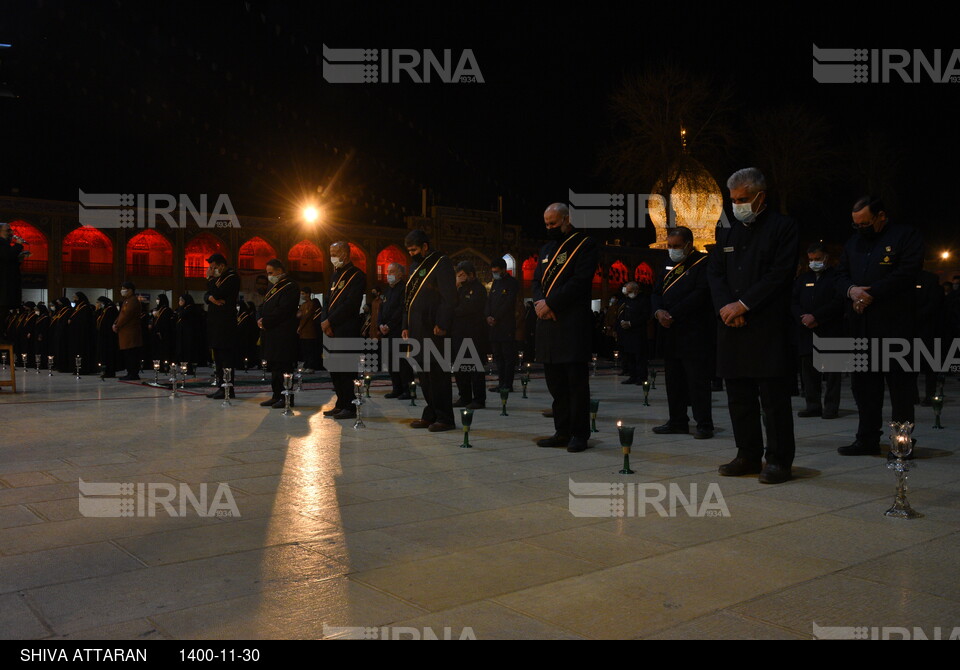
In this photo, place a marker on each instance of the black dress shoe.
(775, 474)
(554, 442)
(420, 423)
(281, 404)
(807, 413)
(829, 415)
(860, 449)
(438, 427)
(548, 413)
(461, 402)
(404, 396)
(631, 380)
(739, 467)
(332, 412)
(577, 444)
(476, 405)
(346, 414)
(217, 395)
(128, 378)
(392, 394)
(668, 429)
(269, 403)
(703, 434)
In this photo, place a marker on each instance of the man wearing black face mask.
(561, 298)
(878, 276)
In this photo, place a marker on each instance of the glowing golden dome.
(696, 200)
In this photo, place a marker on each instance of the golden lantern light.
(310, 214)
(696, 201)
(945, 255)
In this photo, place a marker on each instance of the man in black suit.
(11, 255)
(501, 313)
(342, 318)
(469, 325)
(751, 274)
(278, 326)
(430, 298)
(878, 275)
(632, 318)
(817, 310)
(561, 296)
(223, 289)
(685, 335)
(391, 325)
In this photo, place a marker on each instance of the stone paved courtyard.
(400, 528)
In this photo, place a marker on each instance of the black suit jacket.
(755, 264)
(817, 296)
(890, 265)
(502, 306)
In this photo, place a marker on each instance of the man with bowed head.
(751, 278)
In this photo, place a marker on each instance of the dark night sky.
(227, 96)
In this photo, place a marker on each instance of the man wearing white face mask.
(341, 318)
(751, 274)
(685, 335)
(390, 324)
(817, 309)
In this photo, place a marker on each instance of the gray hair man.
(751, 277)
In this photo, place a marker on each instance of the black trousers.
(224, 358)
(401, 374)
(635, 365)
(345, 390)
(569, 385)
(436, 388)
(131, 358)
(688, 384)
(868, 392)
(505, 358)
(277, 370)
(746, 397)
(813, 381)
(471, 386)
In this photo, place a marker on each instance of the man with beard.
(429, 301)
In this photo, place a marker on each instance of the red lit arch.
(37, 245)
(643, 274)
(529, 267)
(197, 251)
(87, 251)
(149, 254)
(391, 254)
(358, 257)
(619, 274)
(255, 253)
(305, 256)
(598, 276)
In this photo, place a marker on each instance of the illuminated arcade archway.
(87, 251)
(197, 251)
(391, 254)
(306, 257)
(36, 244)
(149, 254)
(254, 254)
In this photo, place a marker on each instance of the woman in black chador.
(82, 335)
(59, 338)
(189, 333)
(108, 345)
(163, 332)
(41, 335)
